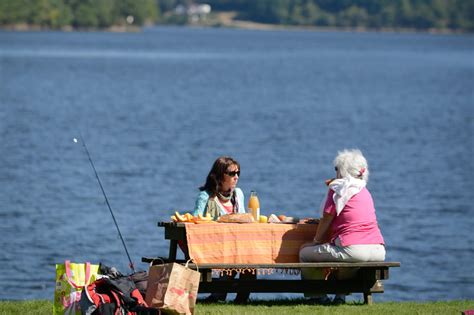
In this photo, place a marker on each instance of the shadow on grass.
(278, 302)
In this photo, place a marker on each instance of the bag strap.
(191, 260)
(67, 264)
(117, 299)
(157, 258)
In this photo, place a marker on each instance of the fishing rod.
(106, 200)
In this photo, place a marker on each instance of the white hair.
(352, 163)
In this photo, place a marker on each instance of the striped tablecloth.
(253, 243)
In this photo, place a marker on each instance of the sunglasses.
(233, 173)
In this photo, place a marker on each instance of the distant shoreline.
(226, 20)
(229, 20)
(22, 27)
(247, 25)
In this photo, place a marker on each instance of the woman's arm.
(241, 200)
(322, 233)
(201, 203)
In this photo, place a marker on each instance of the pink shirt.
(229, 209)
(357, 223)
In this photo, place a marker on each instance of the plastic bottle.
(254, 206)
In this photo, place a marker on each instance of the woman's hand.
(328, 181)
(323, 228)
(317, 242)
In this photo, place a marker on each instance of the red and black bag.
(107, 296)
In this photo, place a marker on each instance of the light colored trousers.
(352, 253)
(328, 252)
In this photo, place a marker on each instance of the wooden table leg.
(173, 250)
(370, 283)
(243, 296)
(368, 298)
(186, 252)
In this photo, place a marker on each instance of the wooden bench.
(367, 280)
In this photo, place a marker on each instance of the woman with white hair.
(348, 230)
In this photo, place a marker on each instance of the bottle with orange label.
(254, 206)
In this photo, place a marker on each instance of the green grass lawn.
(279, 307)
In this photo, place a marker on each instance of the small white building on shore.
(196, 12)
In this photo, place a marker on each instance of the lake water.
(157, 107)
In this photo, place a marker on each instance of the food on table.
(182, 218)
(208, 217)
(290, 220)
(203, 219)
(236, 218)
(282, 219)
(273, 219)
(188, 217)
(263, 219)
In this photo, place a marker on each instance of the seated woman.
(348, 230)
(219, 196)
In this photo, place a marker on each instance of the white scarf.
(344, 189)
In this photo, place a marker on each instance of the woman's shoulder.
(203, 194)
(201, 202)
(365, 191)
(364, 195)
(238, 192)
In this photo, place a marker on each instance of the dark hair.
(216, 174)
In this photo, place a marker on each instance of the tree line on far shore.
(58, 14)
(374, 14)
(417, 14)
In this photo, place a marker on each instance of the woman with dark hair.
(220, 194)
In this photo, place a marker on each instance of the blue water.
(157, 107)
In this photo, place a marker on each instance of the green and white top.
(205, 204)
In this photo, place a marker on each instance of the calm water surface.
(156, 108)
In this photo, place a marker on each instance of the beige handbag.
(172, 287)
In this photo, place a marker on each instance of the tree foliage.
(418, 14)
(57, 14)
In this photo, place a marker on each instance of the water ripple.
(156, 109)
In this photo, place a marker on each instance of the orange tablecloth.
(232, 243)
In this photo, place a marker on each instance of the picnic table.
(256, 249)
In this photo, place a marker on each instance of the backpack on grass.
(113, 295)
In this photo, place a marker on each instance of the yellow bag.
(71, 279)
